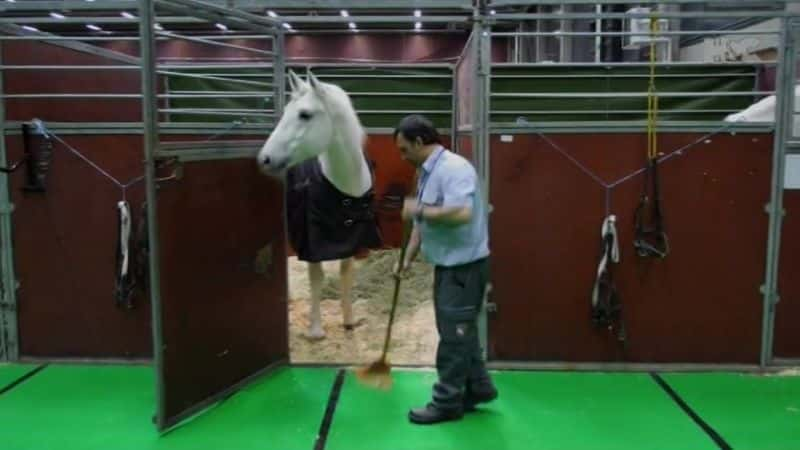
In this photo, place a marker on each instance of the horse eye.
(305, 115)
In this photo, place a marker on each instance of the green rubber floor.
(552, 411)
(110, 407)
(751, 412)
(10, 373)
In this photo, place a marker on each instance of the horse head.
(316, 115)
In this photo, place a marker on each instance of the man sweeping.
(450, 227)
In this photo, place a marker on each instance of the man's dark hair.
(417, 126)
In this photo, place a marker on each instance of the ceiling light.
(127, 15)
(492, 12)
(286, 25)
(29, 28)
(344, 13)
(271, 13)
(56, 15)
(417, 13)
(221, 26)
(158, 27)
(94, 27)
(418, 26)
(352, 25)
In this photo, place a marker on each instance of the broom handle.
(406, 237)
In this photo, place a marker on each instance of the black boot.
(473, 398)
(431, 414)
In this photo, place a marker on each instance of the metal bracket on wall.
(774, 295)
(177, 169)
(491, 307)
(768, 209)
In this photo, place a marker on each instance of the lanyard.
(426, 175)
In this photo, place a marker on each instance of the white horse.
(319, 123)
(764, 111)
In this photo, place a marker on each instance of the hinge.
(491, 307)
(774, 295)
(8, 306)
(768, 210)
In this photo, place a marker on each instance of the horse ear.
(315, 84)
(292, 80)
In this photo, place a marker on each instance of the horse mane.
(351, 132)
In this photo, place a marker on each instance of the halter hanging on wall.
(36, 160)
(651, 239)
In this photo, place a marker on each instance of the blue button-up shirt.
(447, 179)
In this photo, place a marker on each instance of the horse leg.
(315, 276)
(346, 276)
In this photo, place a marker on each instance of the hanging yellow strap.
(652, 98)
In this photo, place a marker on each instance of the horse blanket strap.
(38, 160)
(124, 283)
(606, 308)
(324, 223)
(650, 240)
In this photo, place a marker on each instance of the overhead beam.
(228, 10)
(71, 5)
(72, 45)
(349, 4)
(212, 17)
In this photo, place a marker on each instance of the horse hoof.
(315, 335)
(352, 326)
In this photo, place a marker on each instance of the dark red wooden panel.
(701, 304)
(787, 314)
(65, 247)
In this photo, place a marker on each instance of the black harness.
(650, 238)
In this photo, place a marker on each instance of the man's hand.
(410, 208)
(401, 270)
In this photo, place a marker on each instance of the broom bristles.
(377, 375)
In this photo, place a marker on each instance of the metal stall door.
(218, 277)
(223, 280)
(785, 237)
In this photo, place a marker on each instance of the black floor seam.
(713, 434)
(333, 400)
(22, 379)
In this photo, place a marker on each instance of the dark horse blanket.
(325, 223)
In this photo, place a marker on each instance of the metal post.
(480, 132)
(784, 115)
(279, 73)
(598, 40)
(9, 349)
(150, 125)
(454, 109)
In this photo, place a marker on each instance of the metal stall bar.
(150, 125)
(216, 78)
(784, 120)
(214, 43)
(665, 15)
(55, 38)
(632, 33)
(9, 342)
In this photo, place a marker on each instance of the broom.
(378, 374)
